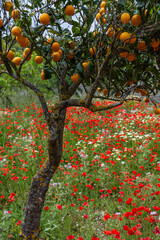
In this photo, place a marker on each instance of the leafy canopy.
(110, 45)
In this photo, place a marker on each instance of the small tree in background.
(110, 50)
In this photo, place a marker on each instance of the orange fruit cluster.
(25, 53)
(135, 20)
(100, 15)
(92, 51)
(56, 51)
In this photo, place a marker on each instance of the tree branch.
(96, 83)
(82, 103)
(74, 86)
(4, 72)
(38, 93)
(1, 50)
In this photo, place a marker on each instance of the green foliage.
(80, 28)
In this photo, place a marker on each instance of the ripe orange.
(26, 51)
(70, 55)
(124, 54)
(156, 48)
(141, 45)
(130, 82)
(110, 32)
(1, 22)
(17, 60)
(7, 5)
(72, 44)
(157, 110)
(145, 12)
(103, 4)
(105, 91)
(24, 43)
(55, 47)
(16, 31)
(56, 56)
(102, 10)
(155, 43)
(95, 33)
(147, 100)
(42, 75)
(104, 20)
(28, 58)
(133, 38)
(125, 17)
(49, 40)
(99, 89)
(20, 38)
(136, 20)
(16, 14)
(92, 51)
(98, 16)
(60, 52)
(10, 55)
(131, 57)
(118, 33)
(143, 92)
(38, 59)
(85, 64)
(75, 77)
(44, 18)
(69, 10)
(124, 36)
(138, 90)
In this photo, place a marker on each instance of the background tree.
(108, 46)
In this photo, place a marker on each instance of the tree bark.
(31, 223)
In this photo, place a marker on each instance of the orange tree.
(109, 48)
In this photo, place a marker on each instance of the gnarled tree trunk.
(31, 223)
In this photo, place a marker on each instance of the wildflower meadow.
(107, 185)
(79, 120)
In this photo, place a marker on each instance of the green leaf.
(80, 68)
(16, 3)
(75, 31)
(74, 23)
(66, 31)
(85, 10)
(54, 32)
(122, 2)
(47, 72)
(90, 67)
(75, 2)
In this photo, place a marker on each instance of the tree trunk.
(31, 223)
